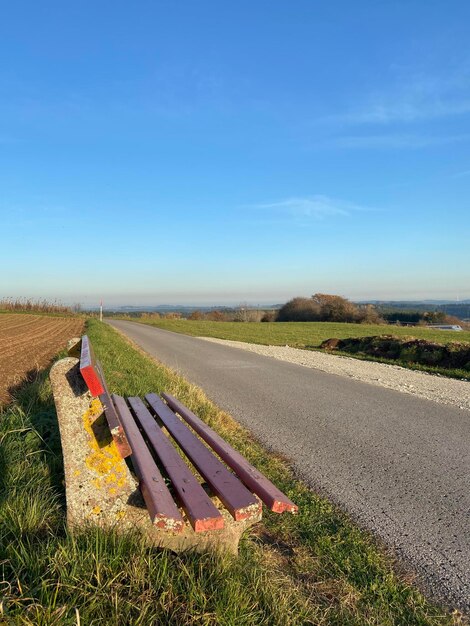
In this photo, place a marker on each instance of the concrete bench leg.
(100, 489)
(98, 482)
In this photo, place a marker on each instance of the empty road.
(398, 464)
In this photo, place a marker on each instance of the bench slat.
(201, 511)
(115, 426)
(88, 368)
(163, 511)
(238, 500)
(273, 498)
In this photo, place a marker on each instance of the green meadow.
(297, 334)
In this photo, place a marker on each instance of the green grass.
(309, 335)
(297, 334)
(314, 568)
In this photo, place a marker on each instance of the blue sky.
(216, 152)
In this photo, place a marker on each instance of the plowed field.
(28, 343)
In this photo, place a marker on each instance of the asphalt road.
(399, 465)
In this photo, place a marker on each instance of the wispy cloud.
(395, 141)
(317, 207)
(411, 97)
(461, 174)
(406, 110)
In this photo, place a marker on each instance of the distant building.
(445, 326)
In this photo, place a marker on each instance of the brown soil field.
(28, 343)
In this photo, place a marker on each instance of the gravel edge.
(429, 386)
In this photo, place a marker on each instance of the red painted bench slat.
(237, 499)
(163, 511)
(115, 426)
(201, 511)
(273, 498)
(88, 368)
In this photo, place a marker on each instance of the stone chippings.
(429, 386)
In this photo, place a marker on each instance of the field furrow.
(28, 343)
(39, 332)
(11, 326)
(22, 335)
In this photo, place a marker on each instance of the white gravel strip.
(429, 386)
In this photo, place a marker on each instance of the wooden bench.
(164, 439)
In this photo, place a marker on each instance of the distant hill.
(166, 308)
(459, 309)
(413, 303)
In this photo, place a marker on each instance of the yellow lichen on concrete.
(105, 461)
(98, 481)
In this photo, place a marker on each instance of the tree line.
(320, 307)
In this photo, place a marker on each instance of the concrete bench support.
(98, 481)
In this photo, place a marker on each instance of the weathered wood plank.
(88, 368)
(163, 511)
(235, 496)
(201, 511)
(272, 497)
(115, 426)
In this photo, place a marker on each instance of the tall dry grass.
(28, 305)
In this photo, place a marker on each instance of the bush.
(216, 316)
(299, 310)
(269, 316)
(368, 314)
(196, 315)
(455, 355)
(322, 307)
(151, 316)
(335, 308)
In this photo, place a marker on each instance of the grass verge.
(309, 336)
(314, 568)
